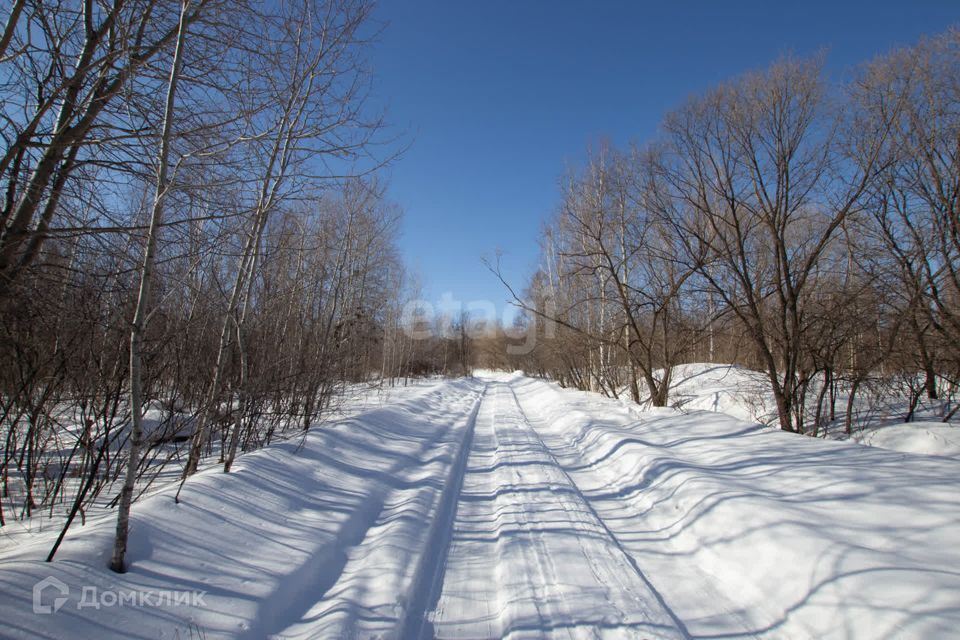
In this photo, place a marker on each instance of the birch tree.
(141, 312)
(314, 83)
(64, 92)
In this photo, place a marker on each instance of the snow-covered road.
(506, 507)
(528, 554)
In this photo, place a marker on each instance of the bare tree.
(75, 62)
(761, 188)
(312, 70)
(915, 211)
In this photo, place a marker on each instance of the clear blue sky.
(499, 97)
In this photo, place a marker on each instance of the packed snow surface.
(503, 506)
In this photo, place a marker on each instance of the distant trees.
(614, 274)
(812, 229)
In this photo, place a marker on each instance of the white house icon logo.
(49, 583)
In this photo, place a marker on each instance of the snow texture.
(507, 507)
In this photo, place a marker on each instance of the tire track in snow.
(429, 577)
(528, 557)
(630, 559)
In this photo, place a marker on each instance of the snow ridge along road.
(507, 507)
(748, 531)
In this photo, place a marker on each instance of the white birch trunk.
(143, 302)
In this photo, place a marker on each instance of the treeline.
(806, 229)
(195, 253)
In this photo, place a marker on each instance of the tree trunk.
(143, 301)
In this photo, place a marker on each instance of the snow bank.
(744, 394)
(931, 438)
(326, 536)
(751, 531)
(736, 391)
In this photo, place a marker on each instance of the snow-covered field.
(503, 506)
